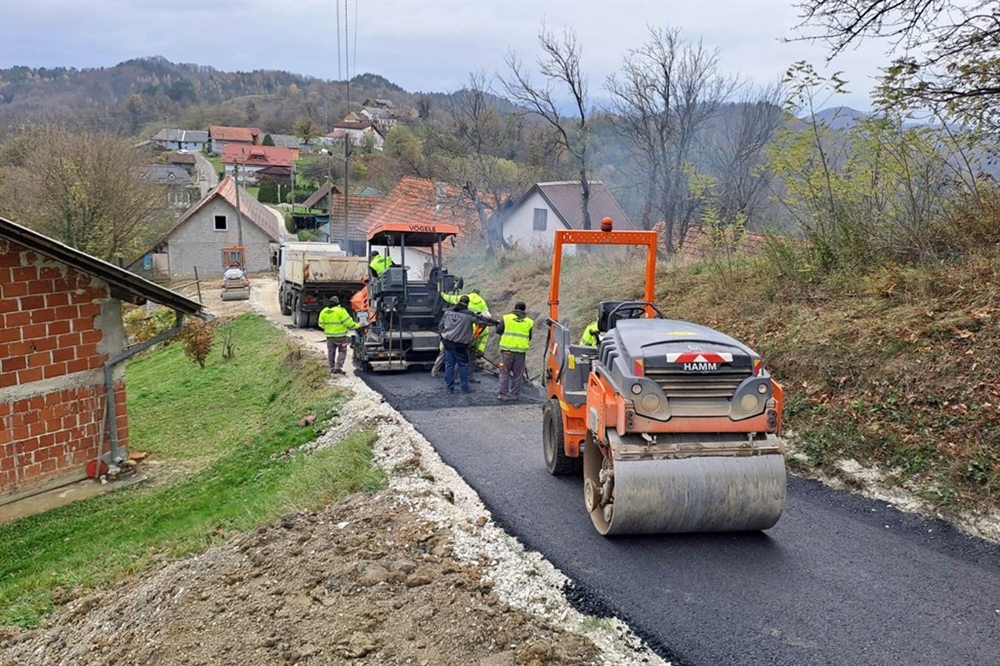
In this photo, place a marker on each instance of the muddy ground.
(417, 574)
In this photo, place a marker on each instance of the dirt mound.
(365, 581)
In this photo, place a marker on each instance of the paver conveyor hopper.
(674, 425)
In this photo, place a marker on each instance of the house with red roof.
(531, 221)
(220, 136)
(277, 160)
(196, 242)
(423, 201)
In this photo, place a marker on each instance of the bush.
(142, 324)
(198, 339)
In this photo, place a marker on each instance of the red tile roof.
(698, 244)
(251, 210)
(257, 155)
(223, 133)
(423, 201)
(359, 207)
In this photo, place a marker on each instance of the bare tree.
(669, 90)
(559, 64)
(481, 141)
(83, 188)
(734, 153)
(951, 50)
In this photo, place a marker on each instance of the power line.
(339, 69)
(355, 35)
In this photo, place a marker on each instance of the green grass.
(235, 424)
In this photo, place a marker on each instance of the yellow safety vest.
(476, 302)
(589, 338)
(380, 263)
(335, 321)
(516, 333)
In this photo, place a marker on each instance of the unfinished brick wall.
(53, 345)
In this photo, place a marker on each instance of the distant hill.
(839, 117)
(154, 90)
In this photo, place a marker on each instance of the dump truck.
(674, 426)
(400, 309)
(309, 273)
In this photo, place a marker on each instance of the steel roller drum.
(698, 494)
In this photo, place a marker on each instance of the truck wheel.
(299, 318)
(313, 319)
(556, 460)
(283, 302)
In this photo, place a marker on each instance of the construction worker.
(378, 263)
(456, 336)
(515, 340)
(481, 334)
(591, 336)
(336, 322)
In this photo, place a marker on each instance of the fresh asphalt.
(839, 580)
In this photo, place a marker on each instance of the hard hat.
(333, 300)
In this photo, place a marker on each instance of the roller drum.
(698, 494)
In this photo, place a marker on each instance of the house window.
(541, 219)
(220, 223)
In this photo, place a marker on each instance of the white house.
(360, 134)
(178, 139)
(532, 219)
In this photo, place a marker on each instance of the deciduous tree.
(82, 188)
(950, 58)
(559, 65)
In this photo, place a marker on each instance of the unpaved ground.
(414, 575)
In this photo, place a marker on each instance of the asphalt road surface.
(839, 580)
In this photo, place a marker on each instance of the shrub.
(198, 338)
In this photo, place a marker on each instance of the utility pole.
(347, 133)
(239, 213)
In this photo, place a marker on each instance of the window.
(220, 223)
(541, 218)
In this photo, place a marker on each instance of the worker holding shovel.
(515, 340)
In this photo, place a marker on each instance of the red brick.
(67, 312)
(13, 364)
(50, 273)
(56, 299)
(46, 343)
(79, 365)
(54, 370)
(32, 302)
(43, 315)
(9, 305)
(21, 348)
(90, 309)
(10, 257)
(91, 337)
(10, 333)
(5, 276)
(33, 331)
(87, 350)
(39, 359)
(36, 402)
(82, 324)
(49, 465)
(7, 379)
(35, 429)
(68, 340)
(17, 319)
(69, 422)
(58, 327)
(24, 273)
(28, 376)
(63, 355)
(40, 286)
(15, 289)
(20, 433)
(5, 408)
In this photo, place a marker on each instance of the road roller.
(675, 426)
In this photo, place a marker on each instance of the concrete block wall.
(58, 326)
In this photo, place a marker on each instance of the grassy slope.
(226, 432)
(894, 368)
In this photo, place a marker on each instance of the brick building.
(62, 348)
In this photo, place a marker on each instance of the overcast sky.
(421, 45)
